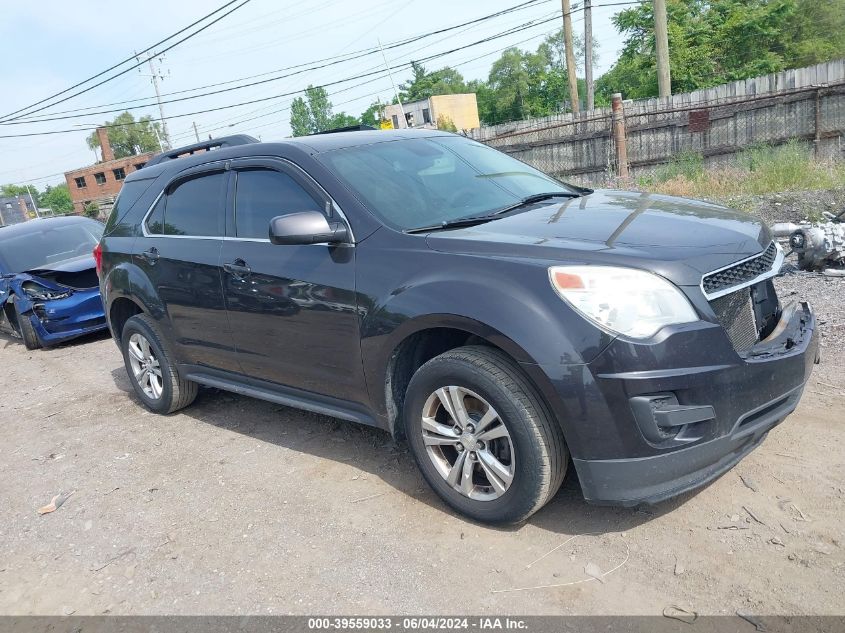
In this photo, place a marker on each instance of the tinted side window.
(262, 195)
(155, 221)
(195, 206)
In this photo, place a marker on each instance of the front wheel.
(482, 437)
(151, 371)
(27, 331)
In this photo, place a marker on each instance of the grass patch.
(757, 170)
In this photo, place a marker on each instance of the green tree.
(425, 84)
(58, 199)
(525, 84)
(372, 115)
(341, 119)
(313, 113)
(300, 118)
(128, 137)
(21, 190)
(715, 41)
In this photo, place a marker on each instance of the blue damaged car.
(49, 291)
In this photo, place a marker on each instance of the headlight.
(40, 293)
(626, 301)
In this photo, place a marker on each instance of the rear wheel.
(151, 371)
(482, 437)
(30, 338)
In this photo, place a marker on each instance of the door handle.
(150, 255)
(238, 268)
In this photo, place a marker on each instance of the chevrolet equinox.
(502, 322)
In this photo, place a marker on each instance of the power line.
(123, 72)
(372, 94)
(294, 92)
(263, 81)
(334, 60)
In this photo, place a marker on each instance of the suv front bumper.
(747, 395)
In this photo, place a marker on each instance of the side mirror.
(306, 227)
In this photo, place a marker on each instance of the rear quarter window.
(118, 223)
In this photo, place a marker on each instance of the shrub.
(446, 124)
(92, 210)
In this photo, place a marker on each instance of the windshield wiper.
(537, 197)
(481, 219)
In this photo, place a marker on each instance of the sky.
(51, 45)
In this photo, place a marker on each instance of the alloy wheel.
(145, 366)
(468, 443)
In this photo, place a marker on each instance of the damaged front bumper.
(60, 320)
(697, 422)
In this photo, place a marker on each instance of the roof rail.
(204, 146)
(348, 128)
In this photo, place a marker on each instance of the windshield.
(419, 182)
(51, 244)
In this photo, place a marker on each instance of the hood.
(77, 272)
(72, 265)
(678, 238)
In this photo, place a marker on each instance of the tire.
(30, 338)
(160, 389)
(530, 449)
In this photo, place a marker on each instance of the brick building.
(101, 182)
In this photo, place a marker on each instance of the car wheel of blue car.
(27, 332)
(482, 437)
(151, 371)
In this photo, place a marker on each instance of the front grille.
(735, 312)
(741, 272)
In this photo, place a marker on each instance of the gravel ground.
(237, 506)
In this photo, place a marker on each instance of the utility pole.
(32, 202)
(661, 38)
(155, 75)
(588, 53)
(395, 91)
(570, 55)
(197, 134)
(619, 138)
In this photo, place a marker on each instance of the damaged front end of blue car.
(49, 306)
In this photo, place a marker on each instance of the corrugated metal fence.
(805, 103)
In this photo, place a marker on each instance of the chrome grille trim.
(774, 270)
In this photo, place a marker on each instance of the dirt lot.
(237, 506)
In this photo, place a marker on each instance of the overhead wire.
(5, 118)
(334, 60)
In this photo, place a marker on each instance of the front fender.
(508, 304)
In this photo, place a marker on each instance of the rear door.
(180, 253)
(292, 308)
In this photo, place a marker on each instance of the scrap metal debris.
(55, 503)
(819, 246)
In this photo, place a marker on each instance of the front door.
(292, 308)
(180, 254)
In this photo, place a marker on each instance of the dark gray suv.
(503, 322)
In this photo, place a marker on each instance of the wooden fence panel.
(804, 103)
